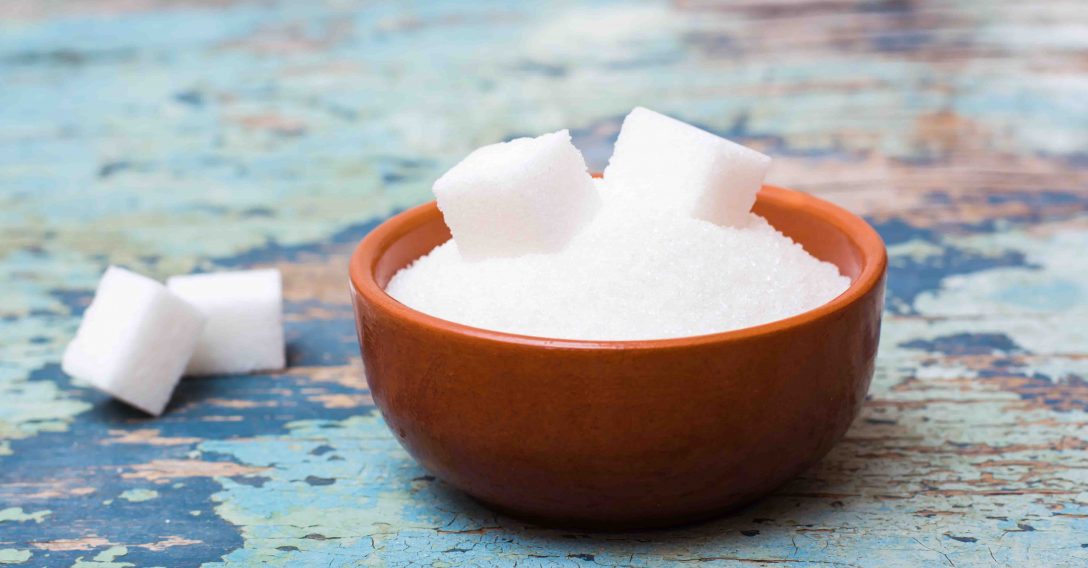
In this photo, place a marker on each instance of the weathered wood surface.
(179, 136)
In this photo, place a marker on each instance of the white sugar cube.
(245, 320)
(529, 195)
(672, 165)
(134, 340)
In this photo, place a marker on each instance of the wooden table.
(178, 136)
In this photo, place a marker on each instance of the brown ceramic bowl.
(622, 434)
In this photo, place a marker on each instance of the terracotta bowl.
(622, 434)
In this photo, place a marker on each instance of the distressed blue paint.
(322, 342)
(177, 138)
(896, 231)
(966, 344)
(902, 42)
(1053, 296)
(274, 251)
(908, 277)
(50, 456)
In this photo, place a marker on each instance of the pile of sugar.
(635, 272)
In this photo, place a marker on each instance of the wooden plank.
(172, 137)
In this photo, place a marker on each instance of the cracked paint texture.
(171, 137)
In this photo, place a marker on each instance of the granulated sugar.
(632, 273)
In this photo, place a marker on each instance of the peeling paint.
(14, 556)
(139, 495)
(172, 138)
(16, 514)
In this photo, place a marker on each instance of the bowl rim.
(873, 253)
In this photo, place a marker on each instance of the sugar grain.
(635, 272)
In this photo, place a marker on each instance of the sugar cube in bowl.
(675, 165)
(528, 195)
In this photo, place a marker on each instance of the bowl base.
(618, 525)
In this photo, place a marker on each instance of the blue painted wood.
(172, 137)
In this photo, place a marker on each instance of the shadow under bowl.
(623, 434)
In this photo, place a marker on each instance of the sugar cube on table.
(244, 310)
(529, 195)
(672, 165)
(134, 341)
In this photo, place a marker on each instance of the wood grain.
(179, 136)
